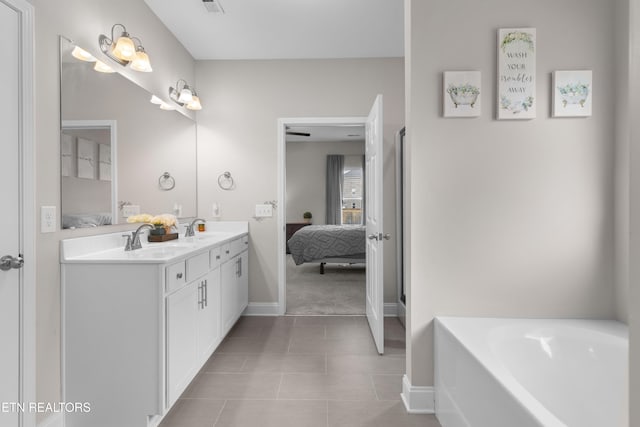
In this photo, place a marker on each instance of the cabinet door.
(181, 339)
(242, 283)
(229, 294)
(209, 315)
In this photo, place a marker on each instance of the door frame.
(28, 221)
(282, 190)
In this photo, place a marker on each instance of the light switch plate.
(47, 219)
(130, 210)
(263, 211)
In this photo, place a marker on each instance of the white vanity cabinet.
(235, 281)
(139, 325)
(192, 320)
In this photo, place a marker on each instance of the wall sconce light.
(101, 67)
(160, 103)
(82, 55)
(185, 96)
(124, 50)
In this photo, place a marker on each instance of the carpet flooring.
(340, 290)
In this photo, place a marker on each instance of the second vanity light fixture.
(184, 95)
(124, 50)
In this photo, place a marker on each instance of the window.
(352, 191)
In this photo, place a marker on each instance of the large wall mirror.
(118, 150)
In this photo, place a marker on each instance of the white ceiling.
(326, 133)
(291, 29)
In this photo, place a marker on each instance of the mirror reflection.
(116, 147)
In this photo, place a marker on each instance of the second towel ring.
(225, 181)
(166, 182)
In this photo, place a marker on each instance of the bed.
(86, 220)
(329, 244)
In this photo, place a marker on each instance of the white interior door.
(10, 275)
(373, 186)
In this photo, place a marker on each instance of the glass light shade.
(194, 104)
(102, 67)
(124, 48)
(165, 106)
(156, 100)
(82, 55)
(141, 62)
(185, 95)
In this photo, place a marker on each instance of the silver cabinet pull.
(200, 299)
(8, 262)
(217, 256)
(205, 286)
(239, 267)
(179, 276)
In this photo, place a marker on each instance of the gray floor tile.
(388, 386)
(286, 363)
(221, 362)
(325, 320)
(326, 386)
(365, 364)
(234, 386)
(280, 413)
(193, 413)
(376, 414)
(333, 346)
(254, 345)
(355, 330)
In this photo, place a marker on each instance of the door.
(10, 245)
(182, 338)
(375, 234)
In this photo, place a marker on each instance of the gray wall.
(83, 21)
(508, 218)
(237, 132)
(306, 176)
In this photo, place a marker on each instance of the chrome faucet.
(189, 232)
(133, 241)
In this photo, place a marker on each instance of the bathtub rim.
(478, 348)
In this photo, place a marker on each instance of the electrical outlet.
(263, 211)
(47, 219)
(130, 210)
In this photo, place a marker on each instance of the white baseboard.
(262, 309)
(55, 420)
(418, 399)
(390, 309)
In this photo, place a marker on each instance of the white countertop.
(109, 248)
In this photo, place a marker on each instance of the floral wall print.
(516, 73)
(86, 158)
(572, 93)
(104, 168)
(462, 92)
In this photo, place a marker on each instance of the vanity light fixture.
(124, 50)
(101, 67)
(155, 100)
(185, 96)
(82, 55)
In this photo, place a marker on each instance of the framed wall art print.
(516, 73)
(462, 93)
(572, 93)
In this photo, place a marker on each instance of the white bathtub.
(525, 372)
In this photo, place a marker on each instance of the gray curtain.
(335, 178)
(364, 190)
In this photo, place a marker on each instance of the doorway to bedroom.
(324, 219)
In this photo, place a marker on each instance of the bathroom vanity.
(139, 325)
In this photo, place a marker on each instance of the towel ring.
(166, 182)
(225, 181)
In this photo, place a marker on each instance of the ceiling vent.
(213, 6)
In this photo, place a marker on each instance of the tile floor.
(300, 371)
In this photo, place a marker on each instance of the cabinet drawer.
(175, 276)
(197, 266)
(225, 252)
(238, 245)
(215, 257)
